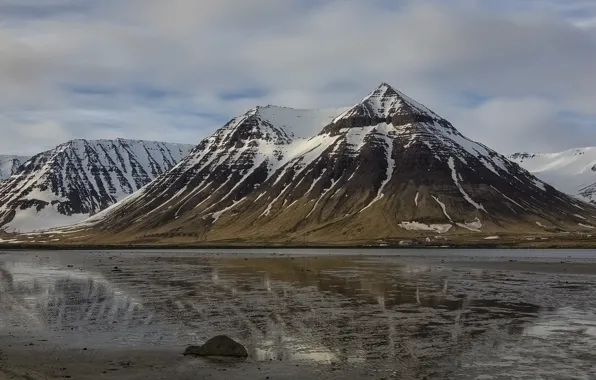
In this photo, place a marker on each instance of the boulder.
(218, 346)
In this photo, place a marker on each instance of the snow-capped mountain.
(233, 162)
(80, 178)
(572, 171)
(10, 164)
(386, 167)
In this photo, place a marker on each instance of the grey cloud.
(473, 50)
(304, 54)
(512, 125)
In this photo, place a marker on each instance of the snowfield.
(572, 171)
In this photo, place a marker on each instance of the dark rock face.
(521, 156)
(84, 177)
(218, 346)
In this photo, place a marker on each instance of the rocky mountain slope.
(572, 171)
(387, 167)
(80, 178)
(10, 164)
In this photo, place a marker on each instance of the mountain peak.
(384, 89)
(384, 105)
(389, 101)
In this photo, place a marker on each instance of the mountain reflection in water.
(417, 320)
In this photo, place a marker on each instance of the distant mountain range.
(387, 167)
(77, 179)
(10, 164)
(572, 171)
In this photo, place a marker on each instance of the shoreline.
(451, 246)
(19, 361)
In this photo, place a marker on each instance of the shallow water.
(407, 314)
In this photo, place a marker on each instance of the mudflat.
(301, 314)
(43, 361)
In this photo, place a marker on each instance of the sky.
(516, 75)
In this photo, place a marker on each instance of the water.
(399, 314)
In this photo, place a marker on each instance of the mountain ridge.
(80, 177)
(386, 167)
(572, 171)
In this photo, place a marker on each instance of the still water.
(402, 314)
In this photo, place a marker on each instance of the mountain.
(572, 171)
(388, 167)
(80, 178)
(10, 164)
(234, 161)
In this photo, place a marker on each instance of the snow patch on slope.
(416, 226)
(454, 175)
(333, 183)
(218, 214)
(443, 207)
(388, 143)
(474, 226)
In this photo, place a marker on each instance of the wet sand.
(47, 362)
(302, 314)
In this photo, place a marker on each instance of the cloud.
(175, 70)
(37, 134)
(521, 124)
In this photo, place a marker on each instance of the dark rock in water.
(218, 346)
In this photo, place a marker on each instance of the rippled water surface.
(401, 314)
